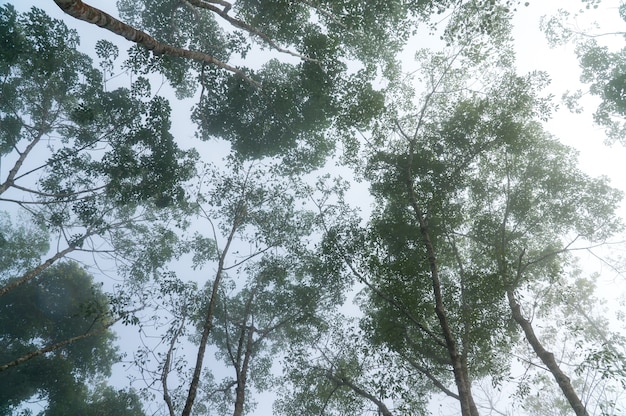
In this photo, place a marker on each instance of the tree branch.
(344, 381)
(87, 13)
(546, 357)
(223, 13)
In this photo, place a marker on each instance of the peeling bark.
(89, 14)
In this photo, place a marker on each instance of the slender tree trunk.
(208, 323)
(87, 13)
(461, 377)
(242, 376)
(167, 367)
(546, 357)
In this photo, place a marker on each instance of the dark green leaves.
(61, 303)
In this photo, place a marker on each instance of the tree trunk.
(546, 357)
(208, 322)
(461, 376)
(242, 376)
(87, 13)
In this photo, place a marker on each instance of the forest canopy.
(265, 207)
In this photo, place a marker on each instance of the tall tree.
(298, 110)
(82, 157)
(474, 201)
(259, 297)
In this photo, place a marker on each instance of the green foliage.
(297, 111)
(20, 246)
(602, 68)
(114, 147)
(106, 400)
(334, 375)
(501, 202)
(178, 25)
(61, 303)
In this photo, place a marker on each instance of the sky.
(533, 53)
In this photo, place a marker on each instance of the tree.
(82, 157)
(259, 298)
(476, 207)
(597, 361)
(474, 203)
(298, 110)
(56, 342)
(603, 68)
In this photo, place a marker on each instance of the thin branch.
(424, 371)
(344, 381)
(223, 13)
(167, 367)
(9, 182)
(61, 344)
(28, 276)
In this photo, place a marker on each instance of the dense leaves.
(457, 257)
(112, 145)
(61, 304)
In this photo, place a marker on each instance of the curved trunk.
(546, 357)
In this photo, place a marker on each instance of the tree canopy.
(55, 339)
(372, 239)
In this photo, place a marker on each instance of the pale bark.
(546, 357)
(87, 13)
(18, 163)
(28, 276)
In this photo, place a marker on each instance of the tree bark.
(26, 277)
(461, 375)
(208, 319)
(18, 164)
(87, 13)
(242, 375)
(546, 357)
(343, 381)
